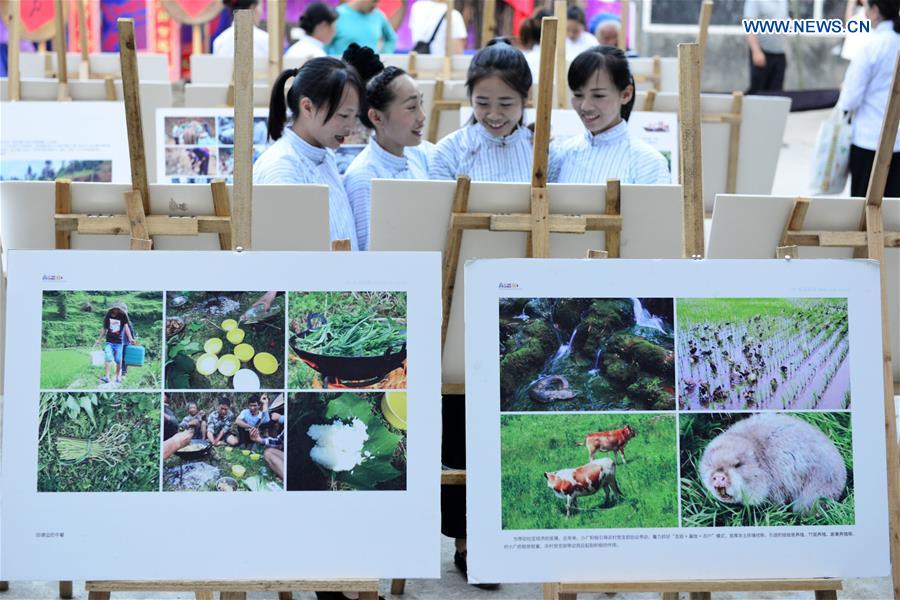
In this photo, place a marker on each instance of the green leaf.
(348, 407)
(73, 407)
(254, 484)
(382, 442)
(370, 473)
(85, 403)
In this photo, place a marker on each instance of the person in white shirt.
(577, 37)
(424, 18)
(316, 31)
(223, 45)
(865, 91)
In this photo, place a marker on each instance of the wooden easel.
(488, 21)
(868, 243)
(234, 233)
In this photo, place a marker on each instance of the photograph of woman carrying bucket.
(90, 339)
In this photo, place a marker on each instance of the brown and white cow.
(609, 441)
(586, 480)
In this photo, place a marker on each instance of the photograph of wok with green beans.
(347, 340)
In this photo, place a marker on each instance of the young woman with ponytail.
(603, 96)
(324, 100)
(867, 84)
(392, 107)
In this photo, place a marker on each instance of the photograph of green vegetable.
(98, 442)
(101, 340)
(349, 441)
(347, 340)
(225, 340)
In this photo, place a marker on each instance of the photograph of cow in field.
(609, 441)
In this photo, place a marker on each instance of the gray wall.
(810, 61)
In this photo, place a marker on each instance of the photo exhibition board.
(763, 120)
(751, 226)
(295, 398)
(154, 94)
(196, 145)
(280, 222)
(44, 142)
(415, 215)
(628, 414)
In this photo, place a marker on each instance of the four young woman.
(327, 95)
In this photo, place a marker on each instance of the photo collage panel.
(222, 391)
(200, 148)
(674, 412)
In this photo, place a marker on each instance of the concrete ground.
(791, 178)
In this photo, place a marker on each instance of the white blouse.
(293, 160)
(613, 153)
(306, 47)
(473, 151)
(223, 45)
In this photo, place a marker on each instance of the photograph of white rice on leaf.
(347, 339)
(342, 442)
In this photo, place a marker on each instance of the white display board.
(42, 142)
(751, 227)
(346, 482)
(628, 414)
(415, 215)
(196, 145)
(285, 217)
(151, 66)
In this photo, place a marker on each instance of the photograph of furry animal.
(766, 469)
(763, 353)
(586, 354)
(566, 471)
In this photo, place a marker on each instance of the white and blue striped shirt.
(610, 154)
(293, 160)
(374, 162)
(473, 151)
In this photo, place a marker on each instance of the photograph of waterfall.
(763, 353)
(586, 354)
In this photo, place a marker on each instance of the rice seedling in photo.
(98, 442)
(347, 339)
(539, 450)
(565, 354)
(763, 353)
(766, 469)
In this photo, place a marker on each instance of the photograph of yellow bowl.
(229, 324)
(228, 449)
(393, 406)
(244, 352)
(206, 364)
(245, 452)
(265, 363)
(228, 365)
(235, 336)
(254, 456)
(212, 346)
(238, 470)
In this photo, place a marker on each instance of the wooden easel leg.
(63, 207)
(65, 589)
(826, 594)
(551, 591)
(700, 596)
(613, 207)
(434, 119)
(203, 596)
(233, 595)
(368, 596)
(668, 596)
(4, 586)
(95, 595)
(285, 596)
(398, 586)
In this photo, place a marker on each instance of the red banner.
(92, 19)
(37, 18)
(194, 8)
(164, 37)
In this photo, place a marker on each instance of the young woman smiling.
(392, 107)
(603, 96)
(495, 145)
(324, 100)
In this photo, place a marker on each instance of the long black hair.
(500, 59)
(379, 93)
(530, 29)
(315, 13)
(607, 58)
(890, 11)
(322, 80)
